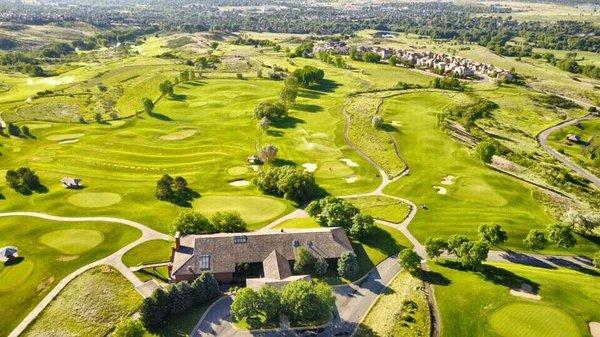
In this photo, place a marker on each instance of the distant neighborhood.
(438, 63)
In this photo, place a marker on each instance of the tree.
(23, 180)
(308, 75)
(244, 307)
(129, 327)
(200, 292)
(176, 300)
(377, 121)
(305, 302)
(535, 240)
(14, 130)
(348, 265)
(485, 150)
(596, 260)
(288, 95)
(210, 285)
(269, 303)
(268, 153)
(148, 105)
(410, 260)
(152, 312)
(321, 267)
(25, 130)
(583, 222)
(228, 222)
(166, 88)
(435, 246)
(305, 262)
(292, 183)
(264, 124)
(492, 234)
(270, 110)
(214, 45)
(393, 60)
(332, 212)
(472, 254)
(191, 222)
(371, 57)
(164, 191)
(455, 241)
(561, 235)
(362, 226)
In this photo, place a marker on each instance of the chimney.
(177, 241)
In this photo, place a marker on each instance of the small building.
(69, 182)
(8, 253)
(269, 252)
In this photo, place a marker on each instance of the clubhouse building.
(259, 258)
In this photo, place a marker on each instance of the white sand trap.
(255, 168)
(351, 179)
(239, 183)
(448, 180)
(526, 291)
(349, 162)
(68, 141)
(595, 329)
(396, 123)
(310, 167)
(440, 189)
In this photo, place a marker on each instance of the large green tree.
(191, 222)
(348, 265)
(410, 260)
(492, 234)
(562, 236)
(535, 240)
(306, 301)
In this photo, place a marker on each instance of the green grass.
(392, 316)
(478, 195)
(383, 242)
(90, 305)
(24, 283)
(473, 304)
(94, 199)
(532, 319)
(149, 252)
(72, 241)
(381, 207)
(586, 130)
(182, 324)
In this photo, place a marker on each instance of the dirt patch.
(526, 291)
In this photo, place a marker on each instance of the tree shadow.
(326, 86)
(275, 133)
(526, 259)
(572, 265)
(178, 97)
(14, 261)
(160, 116)
(41, 189)
(195, 83)
(496, 275)
(308, 107)
(184, 198)
(283, 162)
(387, 127)
(153, 273)
(433, 277)
(288, 122)
(363, 330)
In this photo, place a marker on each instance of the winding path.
(542, 138)
(113, 260)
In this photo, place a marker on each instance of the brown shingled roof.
(224, 253)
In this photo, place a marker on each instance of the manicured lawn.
(182, 324)
(479, 304)
(49, 251)
(149, 252)
(89, 306)
(477, 194)
(381, 207)
(586, 130)
(401, 310)
(382, 243)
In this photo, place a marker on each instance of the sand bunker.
(440, 189)
(179, 135)
(69, 141)
(310, 167)
(595, 329)
(255, 168)
(239, 183)
(349, 162)
(448, 180)
(396, 123)
(526, 291)
(351, 179)
(62, 137)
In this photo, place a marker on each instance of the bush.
(321, 267)
(305, 262)
(191, 222)
(485, 151)
(306, 302)
(410, 260)
(332, 212)
(22, 180)
(271, 110)
(362, 226)
(308, 75)
(348, 265)
(597, 259)
(129, 327)
(228, 222)
(377, 121)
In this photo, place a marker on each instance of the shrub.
(129, 327)
(321, 266)
(362, 226)
(271, 110)
(305, 262)
(332, 212)
(348, 265)
(289, 182)
(191, 222)
(410, 260)
(305, 302)
(228, 222)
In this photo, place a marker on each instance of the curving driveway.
(113, 260)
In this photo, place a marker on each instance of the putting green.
(62, 137)
(253, 209)
(12, 276)
(72, 241)
(237, 170)
(333, 169)
(522, 319)
(94, 199)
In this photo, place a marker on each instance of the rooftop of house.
(219, 253)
